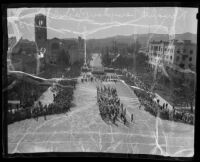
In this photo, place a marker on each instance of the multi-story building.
(73, 48)
(185, 55)
(156, 52)
(179, 55)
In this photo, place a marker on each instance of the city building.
(176, 54)
(24, 46)
(185, 55)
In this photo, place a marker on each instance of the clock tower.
(40, 31)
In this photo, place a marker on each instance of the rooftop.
(179, 41)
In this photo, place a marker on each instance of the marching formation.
(101, 78)
(87, 78)
(107, 78)
(109, 105)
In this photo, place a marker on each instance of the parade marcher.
(54, 96)
(44, 112)
(158, 101)
(139, 106)
(36, 113)
(125, 121)
(131, 117)
(163, 106)
(166, 105)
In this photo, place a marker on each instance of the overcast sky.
(103, 22)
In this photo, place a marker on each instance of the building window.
(184, 50)
(182, 65)
(40, 23)
(191, 51)
(190, 59)
(171, 57)
(177, 58)
(178, 51)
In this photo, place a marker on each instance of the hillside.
(141, 38)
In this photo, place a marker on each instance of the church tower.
(40, 31)
(40, 40)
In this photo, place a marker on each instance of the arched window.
(40, 22)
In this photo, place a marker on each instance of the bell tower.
(40, 31)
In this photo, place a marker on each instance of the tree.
(106, 60)
(184, 92)
(63, 57)
(141, 62)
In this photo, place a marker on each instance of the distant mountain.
(187, 36)
(141, 38)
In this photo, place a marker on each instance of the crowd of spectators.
(61, 104)
(147, 99)
(163, 111)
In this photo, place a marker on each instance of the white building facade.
(174, 54)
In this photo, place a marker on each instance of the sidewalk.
(162, 101)
(47, 97)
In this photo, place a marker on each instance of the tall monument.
(40, 39)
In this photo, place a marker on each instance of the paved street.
(82, 129)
